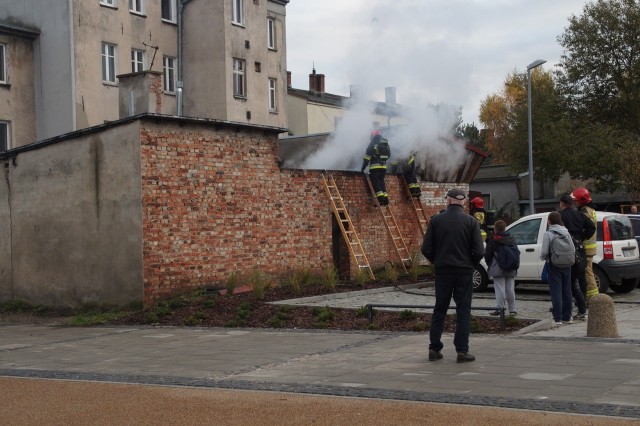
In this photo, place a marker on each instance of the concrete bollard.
(601, 321)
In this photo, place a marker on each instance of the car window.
(636, 225)
(619, 227)
(526, 232)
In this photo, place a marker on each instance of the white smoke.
(428, 130)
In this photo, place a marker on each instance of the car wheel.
(480, 279)
(626, 286)
(602, 282)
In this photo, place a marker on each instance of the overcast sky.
(433, 51)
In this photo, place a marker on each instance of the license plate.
(628, 253)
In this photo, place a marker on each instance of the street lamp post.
(531, 66)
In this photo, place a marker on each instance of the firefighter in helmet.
(582, 198)
(376, 157)
(407, 168)
(477, 210)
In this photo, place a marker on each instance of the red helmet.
(581, 195)
(477, 202)
(376, 132)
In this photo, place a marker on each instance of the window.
(271, 33)
(238, 78)
(272, 94)
(169, 68)
(4, 136)
(237, 12)
(110, 3)
(108, 63)
(169, 10)
(3, 64)
(137, 6)
(137, 60)
(526, 232)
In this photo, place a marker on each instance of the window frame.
(237, 12)
(109, 3)
(4, 78)
(169, 74)
(138, 7)
(273, 95)
(109, 62)
(173, 9)
(239, 78)
(7, 134)
(271, 33)
(135, 61)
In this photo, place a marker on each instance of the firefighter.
(407, 168)
(583, 199)
(478, 211)
(376, 157)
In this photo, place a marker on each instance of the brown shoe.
(465, 357)
(434, 355)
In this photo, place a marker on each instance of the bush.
(259, 282)
(420, 326)
(331, 278)
(407, 314)
(390, 274)
(362, 276)
(232, 282)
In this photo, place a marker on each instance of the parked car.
(635, 222)
(616, 264)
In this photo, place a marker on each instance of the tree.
(506, 116)
(600, 70)
(599, 80)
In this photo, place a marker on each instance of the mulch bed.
(245, 309)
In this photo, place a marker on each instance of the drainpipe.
(179, 82)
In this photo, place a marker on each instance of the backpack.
(562, 253)
(508, 258)
(382, 151)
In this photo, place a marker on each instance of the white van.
(616, 264)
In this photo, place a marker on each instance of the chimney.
(139, 93)
(356, 92)
(316, 82)
(288, 78)
(390, 95)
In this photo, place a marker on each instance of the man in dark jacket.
(580, 227)
(453, 244)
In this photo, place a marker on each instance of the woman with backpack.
(503, 257)
(558, 250)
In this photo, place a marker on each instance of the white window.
(271, 33)
(3, 63)
(239, 78)
(169, 68)
(237, 12)
(110, 3)
(5, 142)
(108, 63)
(137, 60)
(273, 85)
(169, 10)
(137, 6)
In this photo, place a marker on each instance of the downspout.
(179, 83)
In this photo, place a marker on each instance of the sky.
(453, 52)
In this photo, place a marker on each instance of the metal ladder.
(421, 215)
(392, 227)
(342, 217)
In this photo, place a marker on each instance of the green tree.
(599, 72)
(599, 80)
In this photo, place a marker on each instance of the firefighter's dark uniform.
(376, 157)
(407, 168)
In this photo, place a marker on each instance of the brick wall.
(215, 201)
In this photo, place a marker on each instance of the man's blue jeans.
(458, 285)
(560, 290)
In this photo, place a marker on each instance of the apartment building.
(221, 59)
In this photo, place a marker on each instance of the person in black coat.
(453, 244)
(504, 281)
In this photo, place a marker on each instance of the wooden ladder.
(342, 217)
(392, 227)
(418, 208)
